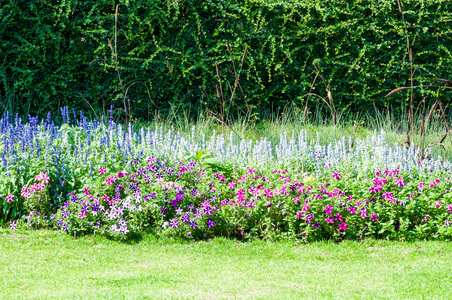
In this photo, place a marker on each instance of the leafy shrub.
(56, 53)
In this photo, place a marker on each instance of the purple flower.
(67, 203)
(328, 209)
(74, 198)
(163, 210)
(179, 196)
(193, 224)
(65, 214)
(185, 218)
(174, 223)
(13, 225)
(315, 225)
(194, 192)
(269, 204)
(210, 223)
(179, 211)
(59, 222)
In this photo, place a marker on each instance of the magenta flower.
(329, 220)
(328, 209)
(338, 217)
(387, 195)
(349, 197)
(102, 171)
(269, 204)
(231, 184)
(299, 214)
(374, 217)
(425, 218)
(9, 198)
(268, 193)
(358, 203)
(438, 204)
(449, 208)
(352, 210)
(336, 175)
(305, 207)
(399, 182)
(447, 223)
(421, 184)
(364, 212)
(343, 226)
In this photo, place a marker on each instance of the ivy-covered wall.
(56, 52)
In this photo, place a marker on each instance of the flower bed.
(194, 201)
(98, 177)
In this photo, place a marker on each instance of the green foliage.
(56, 53)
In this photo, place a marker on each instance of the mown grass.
(50, 265)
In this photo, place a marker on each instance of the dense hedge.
(56, 53)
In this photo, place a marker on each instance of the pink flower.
(399, 182)
(111, 180)
(251, 171)
(425, 218)
(44, 177)
(438, 204)
(336, 175)
(328, 209)
(364, 212)
(9, 198)
(358, 203)
(268, 193)
(374, 217)
(352, 210)
(120, 174)
(421, 184)
(299, 214)
(301, 190)
(231, 184)
(343, 226)
(349, 197)
(449, 208)
(102, 171)
(329, 220)
(309, 188)
(338, 217)
(305, 207)
(447, 223)
(295, 201)
(387, 195)
(378, 173)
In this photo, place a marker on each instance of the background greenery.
(56, 53)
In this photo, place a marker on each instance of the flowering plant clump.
(189, 199)
(101, 178)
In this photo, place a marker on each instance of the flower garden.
(103, 178)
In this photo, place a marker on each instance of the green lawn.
(45, 264)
